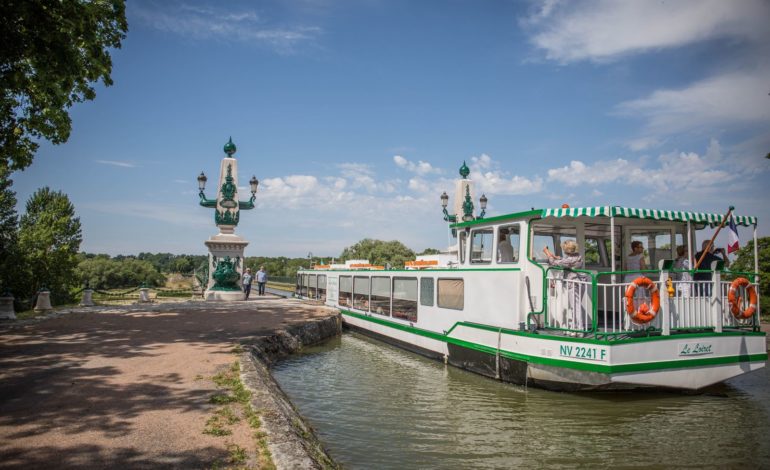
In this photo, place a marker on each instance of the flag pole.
(711, 242)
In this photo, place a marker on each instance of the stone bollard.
(43, 300)
(144, 295)
(87, 300)
(6, 307)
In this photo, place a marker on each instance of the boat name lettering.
(583, 352)
(695, 349)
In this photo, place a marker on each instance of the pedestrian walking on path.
(247, 278)
(261, 280)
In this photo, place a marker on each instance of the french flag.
(733, 243)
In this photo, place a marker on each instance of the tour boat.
(509, 314)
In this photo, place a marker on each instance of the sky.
(355, 115)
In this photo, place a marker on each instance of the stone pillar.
(144, 295)
(87, 300)
(225, 257)
(43, 301)
(6, 307)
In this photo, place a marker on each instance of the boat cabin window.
(657, 243)
(551, 236)
(405, 298)
(426, 291)
(298, 290)
(312, 291)
(380, 303)
(346, 290)
(304, 285)
(322, 286)
(508, 244)
(451, 293)
(361, 292)
(481, 246)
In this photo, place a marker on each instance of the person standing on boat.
(504, 248)
(261, 280)
(247, 283)
(635, 261)
(575, 281)
(704, 273)
(683, 278)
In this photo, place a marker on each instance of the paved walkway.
(126, 387)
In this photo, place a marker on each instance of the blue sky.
(356, 115)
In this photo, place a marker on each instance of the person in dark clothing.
(704, 288)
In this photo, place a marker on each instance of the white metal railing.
(574, 306)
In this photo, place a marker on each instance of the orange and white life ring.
(735, 300)
(645, 313)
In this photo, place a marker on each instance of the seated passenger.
(635, 261)
(504, 249)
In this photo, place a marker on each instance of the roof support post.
(612, 246)
(756, 254)
(690, 241)
(716, 297)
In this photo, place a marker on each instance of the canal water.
(377, 406)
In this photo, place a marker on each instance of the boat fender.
(645, 313)
(735, 300)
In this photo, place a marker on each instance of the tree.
(379, 252)
(745, 263)
(8, 229)
(49, 241)
(429, 251)
(105, 273)
(52, 52)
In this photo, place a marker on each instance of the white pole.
(756, 253)
(612, 245)
(690, 241)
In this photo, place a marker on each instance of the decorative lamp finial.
(465, 171)
(230, 148)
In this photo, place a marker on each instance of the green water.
(375, 406)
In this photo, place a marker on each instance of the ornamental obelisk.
(225, 266)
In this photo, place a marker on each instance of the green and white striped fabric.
(617, 211)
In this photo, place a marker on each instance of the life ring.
(735, 300)
(645, 314)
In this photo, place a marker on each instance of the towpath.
(128, 387)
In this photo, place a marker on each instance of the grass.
(233, 402)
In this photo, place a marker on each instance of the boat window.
(426, 291)
(312, 291)
(361, 292)
(481, 246)
(380, 303)
(540, 241)
(657, 245)
(346, 290)
(322, 287)
(592, 255)
(405, 298)
(298, 291)
(508, 244)
(451, 293)
(462, 247)
(304, 285)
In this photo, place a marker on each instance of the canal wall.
(292, 442)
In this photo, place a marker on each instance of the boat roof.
(616, 211)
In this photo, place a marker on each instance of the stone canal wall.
(291, 441)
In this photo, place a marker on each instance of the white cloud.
(421, 167)
(643, 143)
(493, 181)
(116, 163)
(578, 173)
(603, 30)
(730, 99)
(205, 23)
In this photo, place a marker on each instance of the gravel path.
(126, 387)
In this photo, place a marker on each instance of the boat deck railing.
(595, 304)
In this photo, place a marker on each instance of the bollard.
(87, 301)
(6, 307)
(144, 295)
(43, 300)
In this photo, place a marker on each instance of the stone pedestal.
(144, 295)
(87, 301)
(6, 308)
(226, 248)
(43, 301)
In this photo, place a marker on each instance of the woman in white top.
(683, 278)
(635, 261)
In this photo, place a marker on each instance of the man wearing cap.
(247, 283)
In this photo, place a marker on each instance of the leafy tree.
(745, 263)
(429, 251)
(52, 53)
(379, 252)
(105, 273)
(8, 229)
(49, 240)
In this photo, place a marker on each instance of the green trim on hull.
(621, 368)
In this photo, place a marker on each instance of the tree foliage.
(745, 263)
(102, 272)
(49, 240)
(429, 251)
(8, 229)
(52, 53)
(393, 253)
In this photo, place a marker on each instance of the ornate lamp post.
(465, 202)
(226, 248)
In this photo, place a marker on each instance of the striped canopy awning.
(617, 211)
